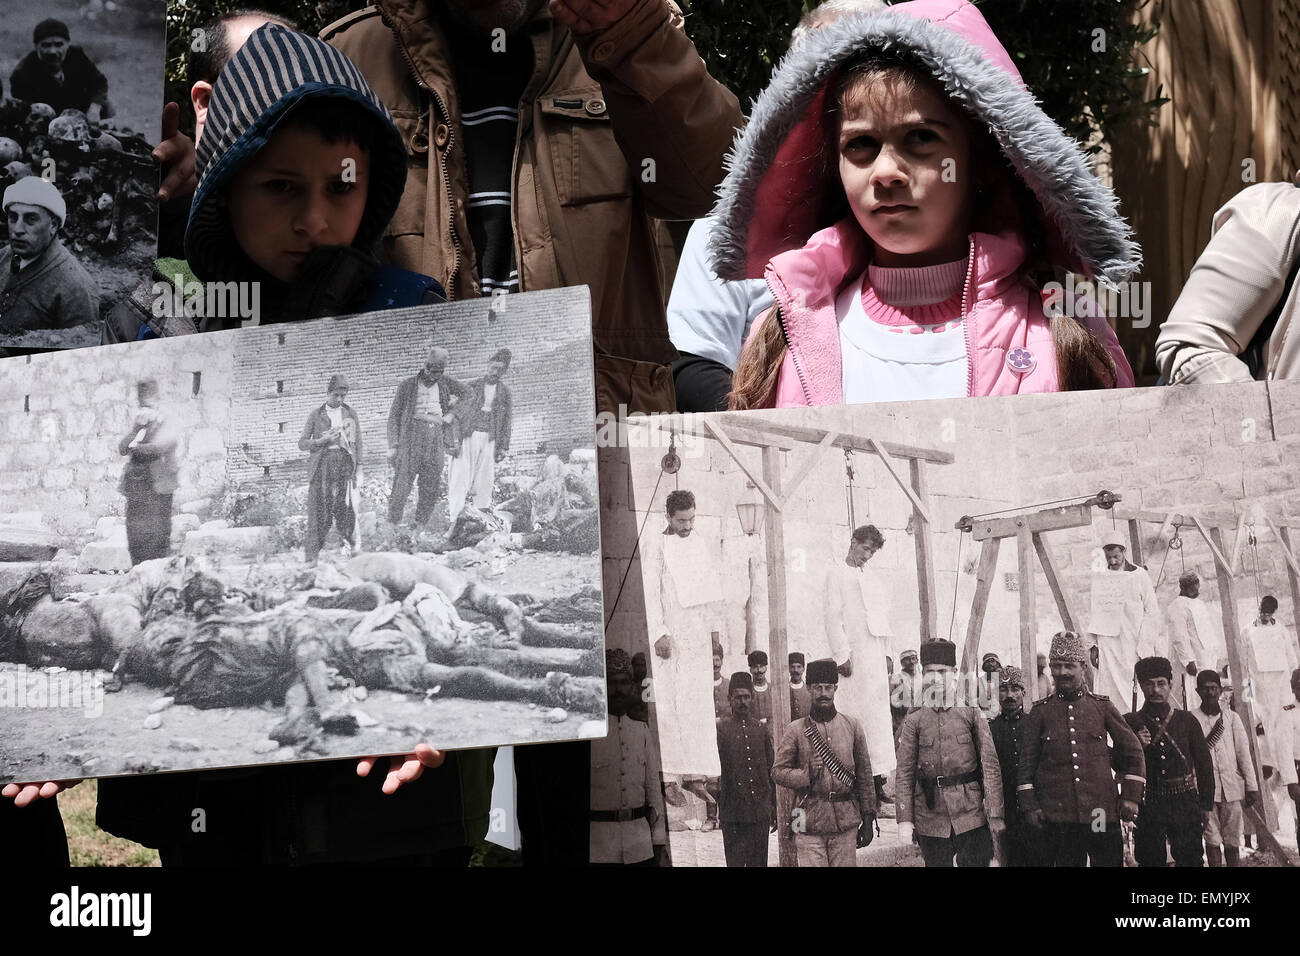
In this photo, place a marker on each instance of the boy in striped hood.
(300, 169)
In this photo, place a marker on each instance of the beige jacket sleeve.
(1232, 288)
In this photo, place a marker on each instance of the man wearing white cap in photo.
(41, 285)
(1125, 621)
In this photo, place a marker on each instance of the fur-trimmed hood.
(774, 190)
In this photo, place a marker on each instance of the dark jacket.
(800, 702)
(1006, 741)
(1182, 750)
(401, 415)
(318, 424)
(82, 84)
(1066, 765)
(498, 423)
(54, 291)
(746, 793)
(156, 453)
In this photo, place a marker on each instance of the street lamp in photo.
(750, 512)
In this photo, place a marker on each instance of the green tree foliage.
(1088, 81)
(1079, 57)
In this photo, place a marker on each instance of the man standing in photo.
(824, 759)
(1067, 775)
(746, 794)
(150, 477)
(333, 436)
(417, 423)
(483, 423)
(1234, 774)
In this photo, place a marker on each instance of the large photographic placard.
(288, 542)
(1191, 479)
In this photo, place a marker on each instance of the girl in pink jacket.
(907, 201)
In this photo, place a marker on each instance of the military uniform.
(1065, 771)
(1023, 845)
(1180, 787)
(721, 687)
(800, 701)
(627, 810)
(949, 784)
(829, 810)
(762, 706)
(746, 797)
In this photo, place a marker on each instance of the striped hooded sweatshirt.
(276, 71)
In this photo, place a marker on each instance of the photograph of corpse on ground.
(207, 557)
(81, 86)
(822, 582)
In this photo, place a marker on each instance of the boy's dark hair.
(207, 64)
(336, 120)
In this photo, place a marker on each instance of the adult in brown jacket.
(620, 121)
(949, 784)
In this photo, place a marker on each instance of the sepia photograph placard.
(867, 546)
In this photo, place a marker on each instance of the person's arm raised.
(673, 121)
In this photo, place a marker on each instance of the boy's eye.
(279, 186)
(342, 187)
(923, 136)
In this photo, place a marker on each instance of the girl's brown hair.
(1001, 201)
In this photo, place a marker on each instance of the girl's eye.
(860, 144)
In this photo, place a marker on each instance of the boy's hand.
(590, 16)
(177, 151)
(403, 769)
(24, 793)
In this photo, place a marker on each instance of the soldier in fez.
(823, 758)
(1067, 790)
(746, 796)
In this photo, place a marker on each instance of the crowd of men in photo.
(978, 771)
(431, 414)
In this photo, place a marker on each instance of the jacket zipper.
(442, 158)
(965, 322)
(780, 317)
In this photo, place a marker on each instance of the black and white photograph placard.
(339, 537)
(82, 93)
